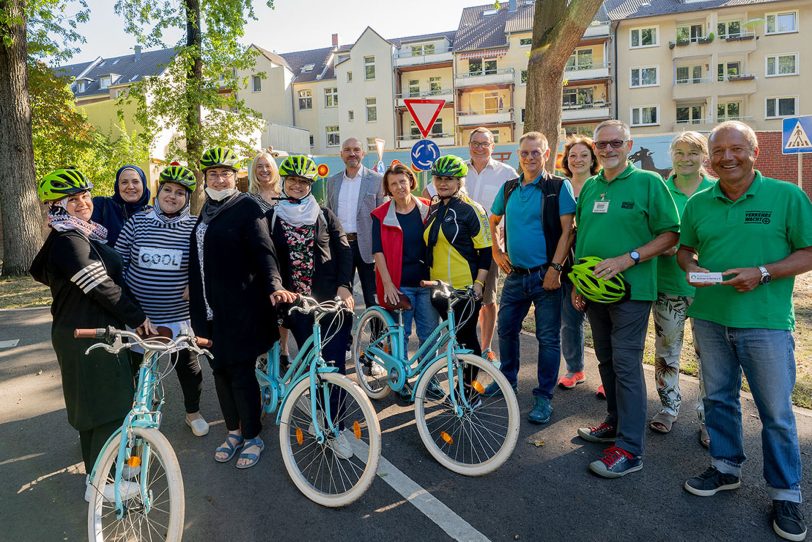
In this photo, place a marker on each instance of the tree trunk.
(21, 218)
(194, 77)
(557, 28)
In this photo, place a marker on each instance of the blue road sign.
(424, 153)
(380, 168)
(797, 135)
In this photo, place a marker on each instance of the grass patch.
(23, 292)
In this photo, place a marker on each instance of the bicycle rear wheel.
(155, 514)
(372, 377)
(318, 469)
(481, 437)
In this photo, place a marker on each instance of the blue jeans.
(572, 331)
(423, 313)
(518, 292)
(767, 357)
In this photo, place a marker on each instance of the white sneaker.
(127, 490)
(377, 371)
(341, 446)
(200, 427)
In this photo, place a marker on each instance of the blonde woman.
(689, 151)
(263, 180)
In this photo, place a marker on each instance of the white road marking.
(9, 344)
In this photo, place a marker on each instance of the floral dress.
(300, 242)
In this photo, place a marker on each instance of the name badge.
(167, 259)
(600, 207)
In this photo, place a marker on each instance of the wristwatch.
(765, 275)
(635, 256)
(557, 266)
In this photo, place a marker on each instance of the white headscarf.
(304, 213)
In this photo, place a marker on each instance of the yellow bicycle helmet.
(61, 183)
(596, 289)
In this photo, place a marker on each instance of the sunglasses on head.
(615, 143)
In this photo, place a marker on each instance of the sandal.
(662, 422)
(231, 446)
(704, 436)
(252, 459)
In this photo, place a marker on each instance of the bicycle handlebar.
(445, 290)
(195, 344)
(307, 305)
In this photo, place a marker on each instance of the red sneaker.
(601, 393)
(616, 462)
(570, 380)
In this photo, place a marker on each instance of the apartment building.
(688, 65)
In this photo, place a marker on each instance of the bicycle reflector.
(448, 439)
(356, 429)
(478, 387)
(299, 436)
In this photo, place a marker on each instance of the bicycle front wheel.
(151, 491)
(473, 439)
(372, 377)
(338, 471)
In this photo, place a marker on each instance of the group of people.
(227, 273)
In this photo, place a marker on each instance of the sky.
(294, 25)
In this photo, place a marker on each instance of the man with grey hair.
(745, 322)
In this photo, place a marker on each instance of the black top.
(414, 267)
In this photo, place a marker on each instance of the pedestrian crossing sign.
(797, 135)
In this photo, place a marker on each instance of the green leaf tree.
(197, 93)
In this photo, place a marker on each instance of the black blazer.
(333, 256)
(241, 271)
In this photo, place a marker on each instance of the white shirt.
(348, 202)
(483, 186)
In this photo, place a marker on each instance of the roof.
(273, 57)
(126, 67)
(320, 58)
(449, 35)
(635, 9)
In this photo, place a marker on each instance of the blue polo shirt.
(525, 231)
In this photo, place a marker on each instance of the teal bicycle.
(329, 433)
(463, 429)
(136, 487)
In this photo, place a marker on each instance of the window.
(575, 98)
(690, 33)
(350, 115)
(414, 87)
(80, 86)
(645, 77)
(104, 81)
(580, 59)
(331, 97)
(308, 68)
(526, 42)
(305, 99)
(435, 85)
(490, 67)
(496, 134)
(312, 140)
(372, 109)
(523, 110)
(333, 140)
(349, 77)
(689, 74)
(729, 29)
(781, 107)
(728, 111)
(420, 50)
(437, 128)
(645, 37)
(493, 102)
(523, 77)
(371, 145)
(645, 116)
(726, 70)
(369, 68)
(690, 114)
(779, 65)
(256, 83)
(414, 133)
(783, 22)
(477, 66)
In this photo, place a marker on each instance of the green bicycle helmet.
(179, 175)
(596, 289)
(298, 165)
(218, 157)
(61, 183)
(449, 166)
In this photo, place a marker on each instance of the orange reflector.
(299, 436)
(447, 438)
(386, 348)
(323, 170)
(356, 429)
(134, 461)
(477, 386)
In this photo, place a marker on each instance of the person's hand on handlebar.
(146, 329)
(282, 296)
(346, 297)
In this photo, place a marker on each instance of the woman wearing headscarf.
(233, 284)
(130, 195)
(85, 277)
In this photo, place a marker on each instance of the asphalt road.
(542, 493)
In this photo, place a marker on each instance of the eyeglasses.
(531, 154)
(221, 175)
(297, 181)
(615, 143)
(480, 145)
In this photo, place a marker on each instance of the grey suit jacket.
(370, 197)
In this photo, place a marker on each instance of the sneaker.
(340, 445)
(127, 490)
(602, 433)
(199, 426)
(711, 482)
(490, 355)
(601, 393)
(570, 380)
(788, 520)
(616, 462)
(493, 390)
(434, 390)
(542, 411)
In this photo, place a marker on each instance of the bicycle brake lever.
(107, 347)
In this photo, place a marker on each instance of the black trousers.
(92, 441)
(466, 333)
(190, 376)
(366, 274)
(238, 394)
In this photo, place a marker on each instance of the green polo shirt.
(769, 222)
(640, 208)
(670, 276)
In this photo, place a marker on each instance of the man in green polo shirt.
(756, 232)
(627, 217)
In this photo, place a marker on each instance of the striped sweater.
(155, 251)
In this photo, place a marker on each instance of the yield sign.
(424, 113)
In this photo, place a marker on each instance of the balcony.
(499, 77)
(405, 59)
(697, 47)
(737, 85)
(597, 110)
(692, 89)
(446, 94)
(442, 140)
(743, 43)
(590, 71)
(472, 118)
(600, 30)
